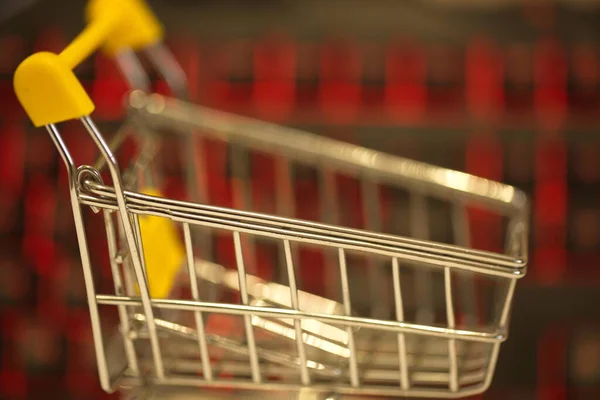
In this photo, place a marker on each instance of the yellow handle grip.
(135, 26)
(45, 83)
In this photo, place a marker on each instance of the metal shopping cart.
(396, 316)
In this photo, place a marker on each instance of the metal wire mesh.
(367, 344)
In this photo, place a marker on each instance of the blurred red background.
(509, 92)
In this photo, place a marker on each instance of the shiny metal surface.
(133, 244)
(433, 254)
(317, 150)
(411, 325)
(271, 312)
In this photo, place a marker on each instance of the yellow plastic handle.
(135, 25)
(45, 83)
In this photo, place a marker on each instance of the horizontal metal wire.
(105, 194)
(371, 375)
(315, 233)
(387, 391)
(175, 115)
(358, 322)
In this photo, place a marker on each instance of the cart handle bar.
(45, 83)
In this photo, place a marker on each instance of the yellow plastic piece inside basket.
(164, 253)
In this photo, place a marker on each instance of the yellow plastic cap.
(49, 91)
(163, 251)
(137, 27)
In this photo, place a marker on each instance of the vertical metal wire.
(377, 282)
(132, 70)
(284, 201)
(348, 311)
(284, 188)
(516, 247)
(466, 280)
(127, 268)
(516, 235)
(404, 380)
(169, 68)
(138, 237)
(85, 260)
(460, 224)
(419, 229)
(192, 145)
(198, 186)
(329, 215)
(501, 326)
(204, 356)
(242, 196)
(135, 252)
(328, 191)
(453, 368)
(119, 291)
(247, 319)
(296, 306)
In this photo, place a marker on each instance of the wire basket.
(330, 309)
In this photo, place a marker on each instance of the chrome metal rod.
(348, 311)
(466, 280)
(284, 188)
(192, 146)
(419, 228)
(132, 70)
(510, 292)
(349, 244)
(247, 318)
(167, 66)
(153, 204)
(305, 377)
(279, 358)
(114, 144)
(127, 269)
(285, 203)
(451, 324)
(377, 281)
(517, 235)
(386, 353)
(88, 275)
(197, 185)
(136, 256)
(242, 197)
(125, 325)
(332, 241)
(126, 266)
(236, 367)
(204, 356)
(374, 390)
(403, 363)
(318, 150)
(343, 320)
(503, 320)
(329, 214)
(138, 238)
(419, 255)
(460, 223)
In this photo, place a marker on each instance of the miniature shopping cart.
(395, 316)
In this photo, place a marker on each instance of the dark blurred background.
(505, 89)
